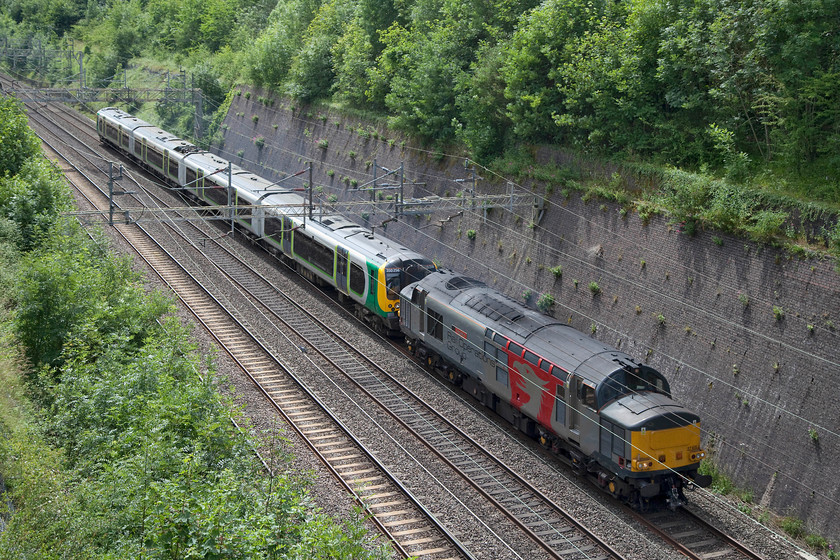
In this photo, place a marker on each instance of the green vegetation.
(545, 303)
(735, 129)
(111, 443)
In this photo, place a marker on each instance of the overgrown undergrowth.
(111, 443)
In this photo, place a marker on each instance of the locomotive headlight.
(644, 465)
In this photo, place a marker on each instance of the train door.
(573, 412)
(286, 246)
(341, 269)
(418, 311)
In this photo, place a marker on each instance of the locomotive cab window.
(587, 396)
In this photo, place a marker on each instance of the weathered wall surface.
(701, 309)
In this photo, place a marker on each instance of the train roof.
(653, 411)
(150, 132)
(557, 342)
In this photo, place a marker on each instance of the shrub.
(471, 234)
(594, 288)
(259, 142)
(778, 313)
(557, 271)
(545, 303)
(793, 527)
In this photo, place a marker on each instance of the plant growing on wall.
(545, 303)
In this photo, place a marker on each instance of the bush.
(545, 303)
(151, 464)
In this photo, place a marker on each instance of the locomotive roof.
(559, 343)
(653, 411)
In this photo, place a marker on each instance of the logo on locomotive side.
(522, 374)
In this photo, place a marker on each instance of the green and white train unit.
(330, 250)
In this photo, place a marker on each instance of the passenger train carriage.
(610, 415)
(330, 250)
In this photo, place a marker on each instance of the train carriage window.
(502, 375)
(316, 253)
(112, 132)
(587, 396)
(489, 350)
(215, 193)
(532, 358)
(488, 334)
(357, 279)
(124, 138)
(190, 176)
(500, 340)
(154, 157)
(434, 323)
(545, 365)
(138, 148)
(172, 167)
(244, 214)
(273, 228)
(515, 349)
(560, 406)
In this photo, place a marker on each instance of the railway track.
(412, 530)
(357, 467)
(556, 532)
(694, 537)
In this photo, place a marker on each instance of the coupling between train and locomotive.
(610, 416)
(366, 269)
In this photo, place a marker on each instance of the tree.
(17, 141)
(537, 49)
